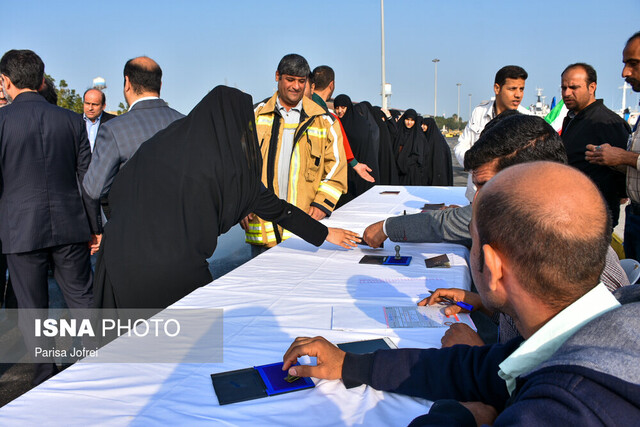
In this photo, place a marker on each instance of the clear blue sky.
(201, 44)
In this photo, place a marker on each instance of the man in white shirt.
(509, 89)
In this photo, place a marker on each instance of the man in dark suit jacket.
(93, 104)
(121, 137)
(44, 153)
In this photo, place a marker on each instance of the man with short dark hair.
(577, 357)
(119, 139)
(605, 154)
(48, 91)
(589, 122)
(506, 141)
(44, 154)
(508, 88)
(322, 87)
(303, 154)
(93, 103)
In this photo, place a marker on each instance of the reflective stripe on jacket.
(318, 169)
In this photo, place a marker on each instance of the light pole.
(469, 118)
(384, 88)
(458, 84)
(435, 92)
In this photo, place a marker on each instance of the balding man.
(93, 104)
(577, 359)
(121, 137)
(589, 122)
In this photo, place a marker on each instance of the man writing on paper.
(569, 366)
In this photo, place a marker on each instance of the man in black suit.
(93, 103)
(44, 154)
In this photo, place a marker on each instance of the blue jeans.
(632, 233)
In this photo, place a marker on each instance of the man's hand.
(329, 362)
(94, 244)
(607, 155)
(345, 238)
(456, 295)
(374, 234)
(316, 213)
(460, 333)
(363, 171)
(484, 414)
(244, 222)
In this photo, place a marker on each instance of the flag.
(556, 116)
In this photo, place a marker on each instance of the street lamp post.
(458, 84)
(435, 92)
(384, 88)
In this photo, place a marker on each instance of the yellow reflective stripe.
(254, 228)
(253, 239)
(294, 176)
(317, 132)
(270, 237)
(257, 228)
(326, 188)
(264, 120)
(291, 125)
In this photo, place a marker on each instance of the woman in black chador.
(184, 187)
(438, 162)
(409, 147)
(363, 144)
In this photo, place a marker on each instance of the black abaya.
(363, 143)
(440, 168)
(184, 187)
(409, 146)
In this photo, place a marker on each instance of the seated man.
(569, 366)
(509, 139)
(518, 139)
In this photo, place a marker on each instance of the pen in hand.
(460, 304)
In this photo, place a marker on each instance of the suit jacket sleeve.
(286, 215)
(83, 159)
(105, 163)
(447, 225)
(334, 181)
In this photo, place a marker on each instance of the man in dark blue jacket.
(44, 154)
(540, 233)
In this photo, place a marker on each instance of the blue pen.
(460, 304)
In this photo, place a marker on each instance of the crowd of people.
(151, 190)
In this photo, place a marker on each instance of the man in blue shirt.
(94, 103)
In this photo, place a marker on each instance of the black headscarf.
(440, 168)
(363, 142)
(409, 147)
(185, 186)
(386, 159)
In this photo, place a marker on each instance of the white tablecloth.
(288, 291)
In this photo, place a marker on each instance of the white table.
(288, 291)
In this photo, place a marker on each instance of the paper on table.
(377, 317)
(431, 316)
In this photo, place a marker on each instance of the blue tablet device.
(274, 379)
(254, 383)
(392, 260)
